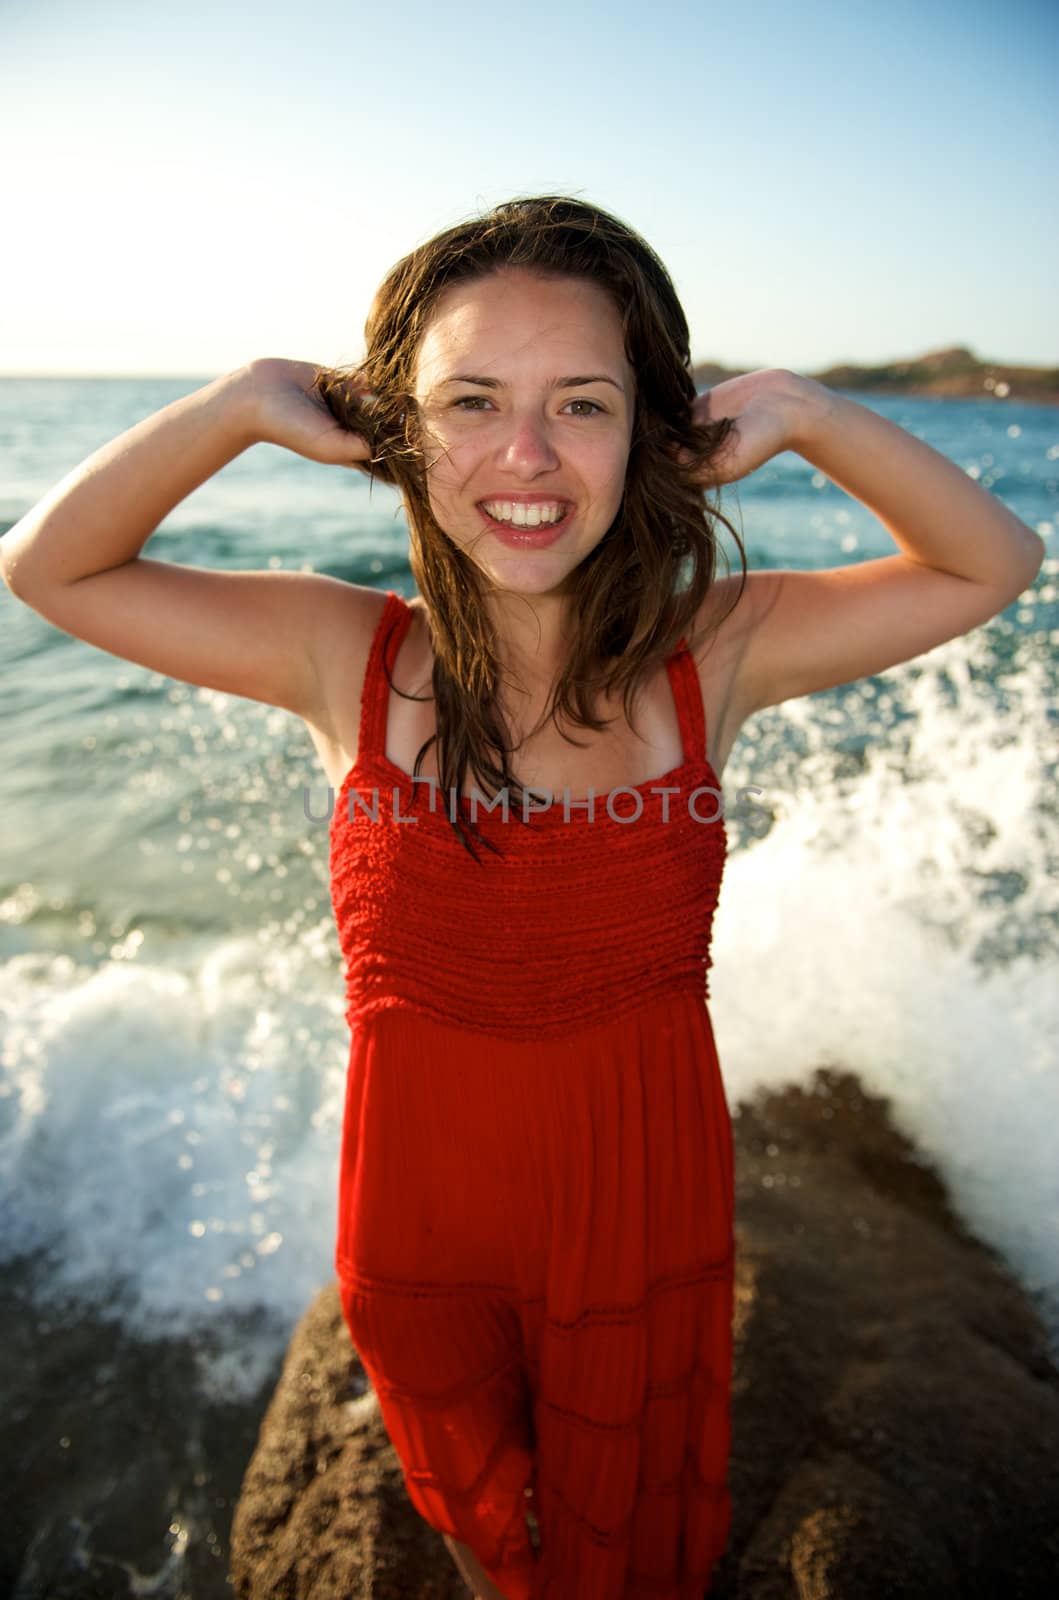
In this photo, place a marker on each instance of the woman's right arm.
(75, 557)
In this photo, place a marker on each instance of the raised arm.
(963, 555)
(75, 557)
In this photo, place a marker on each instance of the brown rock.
(324, 1511)
(895, 1407)
(955, 373)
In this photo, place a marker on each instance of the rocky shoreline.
(895, 1416)
(955, 373)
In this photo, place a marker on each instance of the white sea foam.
(169, 1136)
(902, 925)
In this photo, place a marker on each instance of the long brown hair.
(639, 591)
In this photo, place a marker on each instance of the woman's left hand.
(771, 410)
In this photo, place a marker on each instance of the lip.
(528, 538)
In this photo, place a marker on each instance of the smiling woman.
(536, 1203)
(527, 386)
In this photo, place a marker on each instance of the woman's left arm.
(964, 555)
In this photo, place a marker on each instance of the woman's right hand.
(289, 411)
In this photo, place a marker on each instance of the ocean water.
(172, 1044)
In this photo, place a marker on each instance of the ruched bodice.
(582, 918)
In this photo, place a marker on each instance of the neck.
(533, 635)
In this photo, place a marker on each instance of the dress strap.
(687, 692)
(389, 635)
(375, 697)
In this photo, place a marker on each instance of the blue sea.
(171, 1003)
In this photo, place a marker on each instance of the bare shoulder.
(724, 616)
(349, 623)
(718, 641)
(348, 616)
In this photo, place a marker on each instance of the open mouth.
(537, 523)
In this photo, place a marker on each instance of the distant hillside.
(954, 373)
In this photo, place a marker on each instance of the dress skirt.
(535, 1257)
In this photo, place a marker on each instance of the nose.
(527, 449)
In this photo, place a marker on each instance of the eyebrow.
(556, 383)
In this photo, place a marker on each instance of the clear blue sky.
(187, 186)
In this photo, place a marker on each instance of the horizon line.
(703, 361)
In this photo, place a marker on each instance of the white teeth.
(523, 516)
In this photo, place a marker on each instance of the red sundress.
(535, 1230)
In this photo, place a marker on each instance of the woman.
(535, 1216)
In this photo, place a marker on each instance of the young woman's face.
(526, 403)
